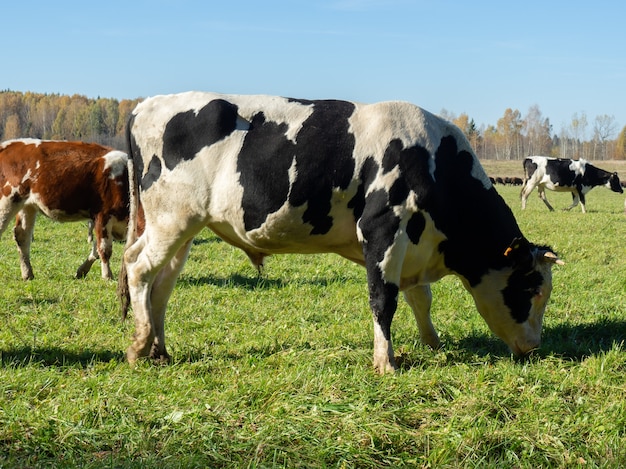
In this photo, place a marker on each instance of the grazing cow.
(565, 175)
(66, 181)
(388, 186)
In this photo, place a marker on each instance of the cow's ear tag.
(514, 247)
(519, 252)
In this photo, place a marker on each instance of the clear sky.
(473, 57)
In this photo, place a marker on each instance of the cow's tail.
(526, 178)
(123, 292)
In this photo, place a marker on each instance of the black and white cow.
(388, 186)
(565, 175)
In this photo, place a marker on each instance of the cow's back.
(272, 174)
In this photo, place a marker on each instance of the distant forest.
(103, 120)
(62, 117)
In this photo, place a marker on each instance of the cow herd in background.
(388, 186)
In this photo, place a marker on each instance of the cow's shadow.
(574, 342)
(56, 356)
(256, 282)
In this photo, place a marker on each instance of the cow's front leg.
(161, 292)
(575, 200)
(419, 299)
(383, 302)
(23, 235)
(140, 279)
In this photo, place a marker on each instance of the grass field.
(276, 371)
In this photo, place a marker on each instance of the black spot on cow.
(562, 173)
(379, 224)
(413, 163)
(521, 287)
(415, 227)
(152, 174)
(263, 164)
(154, 166)
(323, 162)
(467, 213)
(367, 175)
(188, 132)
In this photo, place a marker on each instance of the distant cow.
(388, 186)
(66, 181)
(565, 175)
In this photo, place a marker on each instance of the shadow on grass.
(257, 282)
(570, 341)
(55, 356)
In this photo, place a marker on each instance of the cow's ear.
(546, 255)
(519, 252)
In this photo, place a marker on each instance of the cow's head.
(512, 300)
(614, 184)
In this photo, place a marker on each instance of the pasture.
(275, 371)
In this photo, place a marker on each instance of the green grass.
(276, 371)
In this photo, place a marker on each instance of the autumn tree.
(620, 145)
(509, 129)
(604, 127)
(537, 133)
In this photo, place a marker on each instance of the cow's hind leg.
(542, 196)
(101, 247)
(419, 299)
(23, 235)
(525, 192)
(85, 267)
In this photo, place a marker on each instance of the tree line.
(515, 136)
(103, 120)
(62, 117)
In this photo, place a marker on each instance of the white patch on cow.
(578, 166)
(383, 351)
(275, 109)
(391, 265)
(115, 162)
(161, 109)
(29, 174)
(293, 174)
(6, 203)
(25, 141)
(376, 125)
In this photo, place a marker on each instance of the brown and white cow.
(66, 181)
(388, 186)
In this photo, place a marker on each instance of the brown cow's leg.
(104, 239)
(85, 267)
(23, 235)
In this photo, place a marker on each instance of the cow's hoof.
(385, 368)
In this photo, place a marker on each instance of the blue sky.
(478, 58)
